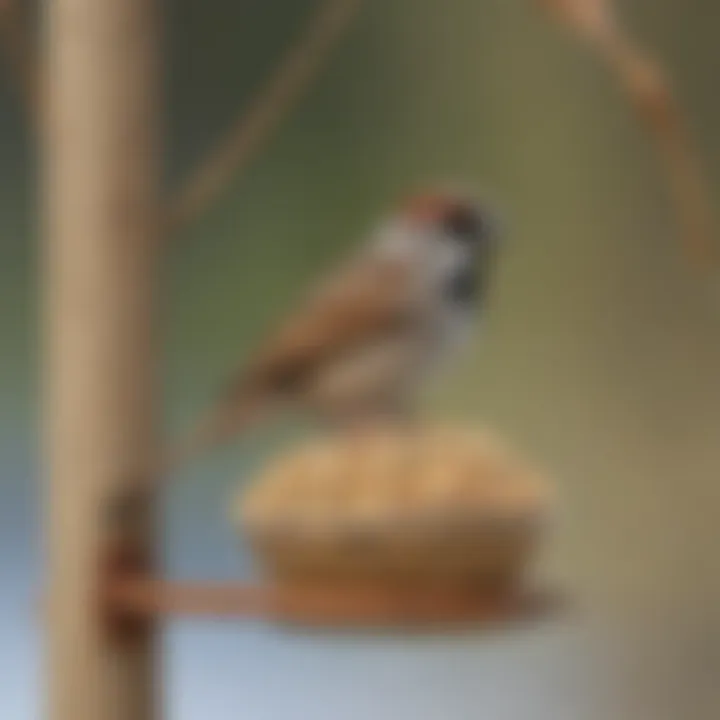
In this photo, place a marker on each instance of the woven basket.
(389, 506)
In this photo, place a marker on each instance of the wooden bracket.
(128, 529)
(123, 561)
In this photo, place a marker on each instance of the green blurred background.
(600, 354)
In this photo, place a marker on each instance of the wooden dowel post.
(101, 177)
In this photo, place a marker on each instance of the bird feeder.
(444, 515)
(383, 526)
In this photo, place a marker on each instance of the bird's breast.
(376, 370)
(462, 286)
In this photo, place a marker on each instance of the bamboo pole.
(101, 195)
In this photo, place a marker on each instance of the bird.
(371, 334)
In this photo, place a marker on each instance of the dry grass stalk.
(649, 91)
(246, 138)
(19, 55)
(253, 129)
(642, 78)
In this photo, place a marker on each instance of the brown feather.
(366, 302)
(362, 304)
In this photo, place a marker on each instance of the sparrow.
(367, 339)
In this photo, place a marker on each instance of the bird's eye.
(464, 223)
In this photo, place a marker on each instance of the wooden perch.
(132, 599)
(649, 91)
(253, 129)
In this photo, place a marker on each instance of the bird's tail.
(220, 426)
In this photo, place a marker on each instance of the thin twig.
(648, 89)
(233, 153)
(19, 55)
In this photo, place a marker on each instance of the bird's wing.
(367, 300)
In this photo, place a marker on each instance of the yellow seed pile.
(385, 477)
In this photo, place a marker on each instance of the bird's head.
(451, 218)
(449, 229)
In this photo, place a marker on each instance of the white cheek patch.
(396, 239)
(439, 254)
(447, 257)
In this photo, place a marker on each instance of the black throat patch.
(463, 287)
